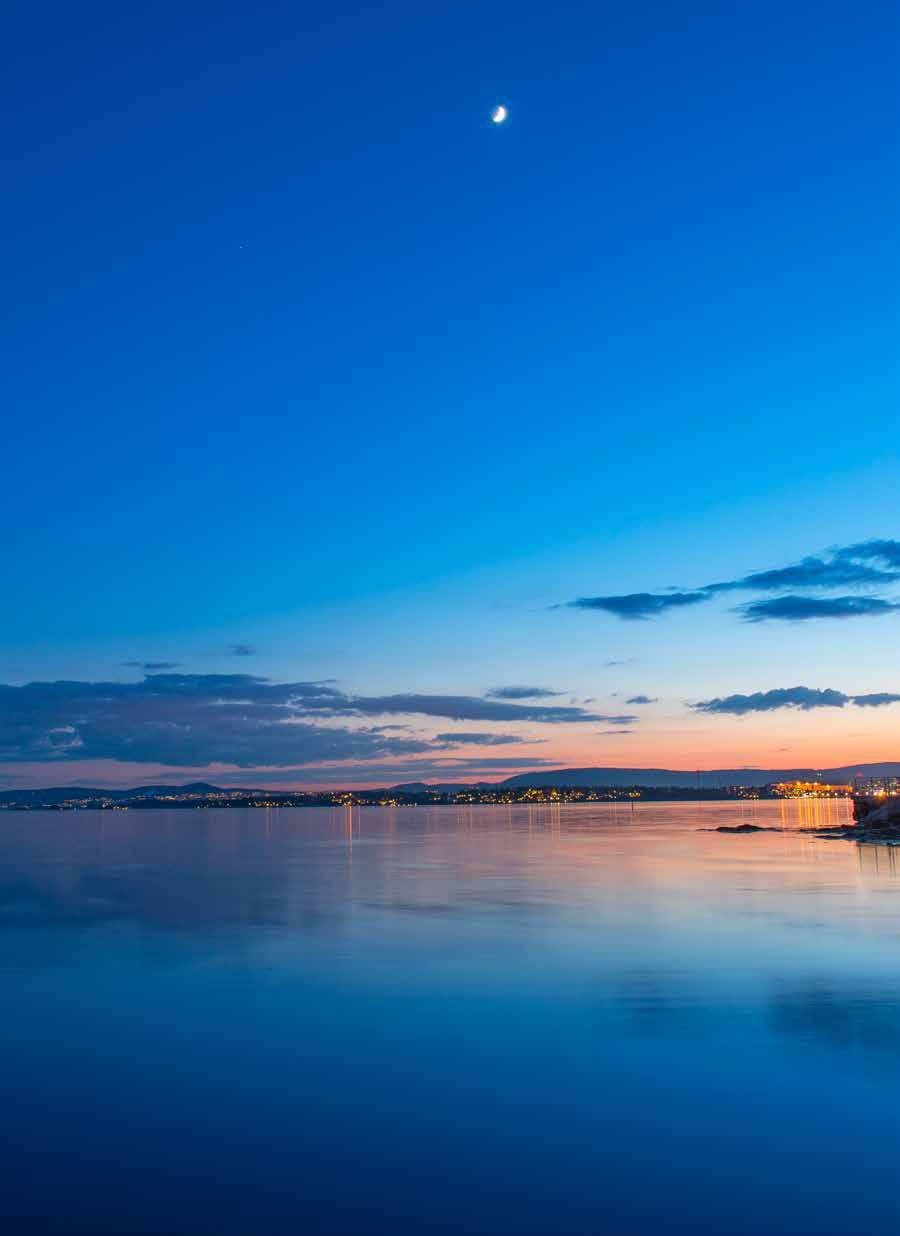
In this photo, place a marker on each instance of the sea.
(527, 1019)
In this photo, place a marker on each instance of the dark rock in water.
(743, 828)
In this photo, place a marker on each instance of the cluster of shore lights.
(811, 789)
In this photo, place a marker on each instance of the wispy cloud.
(453, 707)
(802, 609)
(641, 699)
(874, 550)
(639, 605)
(877, 699)
(151, 667)
(521, 693)
(863, 564)
(242, 650)
(462, 738)
(867, 564)
(803, 698)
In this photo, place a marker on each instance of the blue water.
(489, 1020)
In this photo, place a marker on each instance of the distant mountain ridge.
(715, 778)
(575, 778)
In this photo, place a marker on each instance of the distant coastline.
(208, 797)
(570, 785)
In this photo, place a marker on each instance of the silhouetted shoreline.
(203, 797)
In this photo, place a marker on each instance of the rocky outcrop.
(885, 815)
(878, 821)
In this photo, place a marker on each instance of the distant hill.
(55, 795)
(667, 778)
(69, 793)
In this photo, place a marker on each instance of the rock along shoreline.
(877, 822)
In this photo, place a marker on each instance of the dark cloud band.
(189, 720)
(803, 698)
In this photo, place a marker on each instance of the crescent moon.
(499, 114)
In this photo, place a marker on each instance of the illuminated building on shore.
(877, 787)
(808, 789)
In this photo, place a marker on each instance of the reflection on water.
(522, 1019)
(866, 1019)
(814, 812)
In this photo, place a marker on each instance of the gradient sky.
(319, 377)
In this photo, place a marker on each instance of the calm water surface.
(481, 1020)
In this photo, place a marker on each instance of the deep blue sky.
(306, 353)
